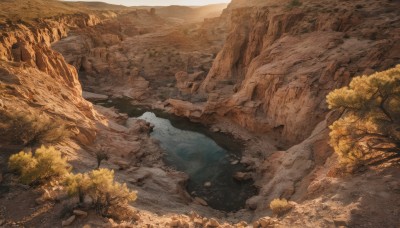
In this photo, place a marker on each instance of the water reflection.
(204, 161)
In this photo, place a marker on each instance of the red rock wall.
(283, 62)
(34, 78)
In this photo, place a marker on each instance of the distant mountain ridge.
(186, 13)
(192, 14)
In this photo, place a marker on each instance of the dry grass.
(29, 10)
(31, 129)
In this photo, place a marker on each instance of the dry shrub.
(44, 164)
(280, 206)
(368, 130)
(30, 129)
(100, 186)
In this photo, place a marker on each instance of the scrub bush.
(44, 164)
(280, 206)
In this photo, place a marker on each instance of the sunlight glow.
(158, 2)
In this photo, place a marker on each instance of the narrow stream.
(210, 159)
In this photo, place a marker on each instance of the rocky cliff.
(280, 60)
(137, 50)
(35, 78)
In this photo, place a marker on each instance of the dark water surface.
(203, 155)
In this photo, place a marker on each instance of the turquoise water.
(190, 151)
(203, 155)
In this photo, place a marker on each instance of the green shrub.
(280, 206)
(30, 129)
(369, 127)
(44, 164)
(100, 186)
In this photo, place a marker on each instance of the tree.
(369, 128)
(44, 164)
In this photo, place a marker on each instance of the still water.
(207, 157)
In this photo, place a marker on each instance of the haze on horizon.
(158, 2)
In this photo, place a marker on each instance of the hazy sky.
(158, 2)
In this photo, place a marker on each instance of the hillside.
(32, 9)
(182, 13)
(191, 14)
(96, 5)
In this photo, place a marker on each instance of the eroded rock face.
(34, 77)
(98, 54)
(184, 108)
(278, 64)
(137, 54)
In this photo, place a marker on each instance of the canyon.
(259, 73)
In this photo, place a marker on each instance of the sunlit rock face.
(279, 62)
(137, 51)
(33, 75)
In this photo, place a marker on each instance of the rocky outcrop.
(94, 96)
(35, 78)
(18, 39)
(322, 195)
(279, 63)
(189, 83)
(103, 55)
(136, 52)
(184, 108)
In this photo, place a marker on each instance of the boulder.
(235, 162)
(256, 224)
(215, 129)
(213, 223)
(340, 221)
(253, 202)
(193, 215)
(242, 224)
(185, 224)
(241, 176)
(184, 108)
(136, 126)
(266, 222)
(94, 96)
(198, 221)
(80, 213)
(200, 201)
(69, 221)
(178, 223)
(123, 165)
